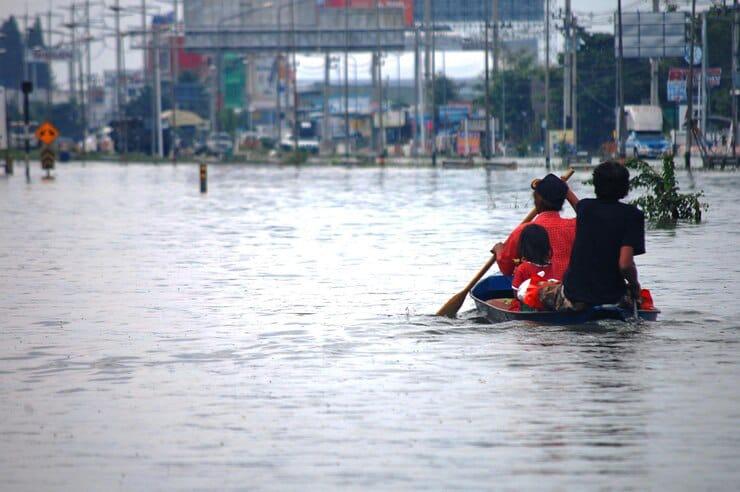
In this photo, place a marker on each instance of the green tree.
(11, 57)
(445, 90)
(40, 70)
(511, 93)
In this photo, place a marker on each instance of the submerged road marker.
(203, 178)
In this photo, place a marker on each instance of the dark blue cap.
(552, 189)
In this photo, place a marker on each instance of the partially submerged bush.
(663, 205)
(295, 157)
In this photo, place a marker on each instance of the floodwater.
(276, 334)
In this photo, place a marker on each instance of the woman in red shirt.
(549, 195)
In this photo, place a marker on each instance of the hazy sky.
(458, 64)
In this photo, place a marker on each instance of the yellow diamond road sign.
(47, 133)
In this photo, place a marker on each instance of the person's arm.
(507, 251)
(572, 198)
(629, 269)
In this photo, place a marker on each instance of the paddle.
(452, 306)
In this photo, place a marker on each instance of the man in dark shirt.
(608, 236)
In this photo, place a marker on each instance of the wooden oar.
(452, 306)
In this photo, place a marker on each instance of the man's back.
(602, 228)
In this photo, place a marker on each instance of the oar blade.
(452, 306)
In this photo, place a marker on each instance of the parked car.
(219, 143)
(647, 144)
(310, 145)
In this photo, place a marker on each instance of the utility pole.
(733, 99)
(574, 81)
(88, 64)
(325, 106)
(381, 90)
(48, 43)
(346, 79)
(690, 88)
(434, 89)
(379, 78)
(149, 52)
(547, 85)
(26, 88)
(487, 90)
(117, 99)
(654, 68)
(427, 65)
(157, 93)
(418, 125)
(84, 84)
(294, 82)
(567, 69)
(25, 44)
(704, 83)
(496, 21)
(175, 45)
(620, 81)
(278, 104)
(72, 27)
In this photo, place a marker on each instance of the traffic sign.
(47, 133)
(47, 158)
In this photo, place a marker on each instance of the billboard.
(475, 10)
(651, 34)
(677, 78)
(282, 25)
(406, 5)
(262, 82)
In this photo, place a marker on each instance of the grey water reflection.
(276, 334)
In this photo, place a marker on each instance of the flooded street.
(276, 333)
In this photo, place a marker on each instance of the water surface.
(276, 333)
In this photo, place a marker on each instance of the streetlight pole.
(690, 89)
(620, 82)
(487, 95)
(547, 85)
(733, 98)
(346, 81)
(295, 76)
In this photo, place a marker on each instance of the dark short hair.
(534, 244)
(547, 205)
(611, 180)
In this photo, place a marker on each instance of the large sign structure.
(651, 34)
(476, 10)
(677, 77)
(282, 25)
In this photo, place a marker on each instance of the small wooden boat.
(493, 296)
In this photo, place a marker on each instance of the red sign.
(406, 5)
(714, 75)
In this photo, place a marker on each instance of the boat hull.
(494, 288)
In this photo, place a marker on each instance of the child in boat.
(535, 253)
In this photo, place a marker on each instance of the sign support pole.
(690, 89)
(733, 100)
(27, 88)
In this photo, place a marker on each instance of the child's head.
(611, 181)
(534, 245)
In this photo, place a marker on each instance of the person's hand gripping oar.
(452, 306)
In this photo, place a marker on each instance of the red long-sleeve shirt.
(561, 233)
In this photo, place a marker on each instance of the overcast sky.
(592, 13)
